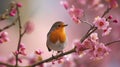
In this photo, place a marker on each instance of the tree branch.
(51, 58)
(8, 26)
(20, 35)
(112, 42)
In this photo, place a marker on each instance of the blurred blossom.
(113, 3)
(106, 31)
(101, 23)
(13, 12)
(33, 58)
(4, 34)
(100, 50)
(115, 21)
(69, 61)
(4, 37)
(11, 60)
(29, 27)
(79, 46)
(22, 49)
(38, 52)
(19, 4)
(20, 60)
(110, 17)
(65, 4)
(94, 36)
(75, 13)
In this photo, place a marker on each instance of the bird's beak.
(65, 25)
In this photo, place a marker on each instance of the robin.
(56, 37)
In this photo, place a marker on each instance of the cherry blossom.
(4, 37)
(75, 13)
(100, 51)
(106, 31)
(19, 4)
(29, 27)
(101, 23)
(65, 4)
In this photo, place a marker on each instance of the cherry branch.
(9, 26)
(20, 36)
(112, 42)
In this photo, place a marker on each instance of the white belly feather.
(57, 46)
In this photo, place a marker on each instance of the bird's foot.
(60, 52)
(53, 56)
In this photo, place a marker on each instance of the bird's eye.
(59, 25)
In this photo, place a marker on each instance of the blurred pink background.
(43, 13)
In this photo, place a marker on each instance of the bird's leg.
(53, 55)
(61, 52)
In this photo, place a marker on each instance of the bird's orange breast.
(58, 35)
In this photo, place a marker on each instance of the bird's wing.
(51, 29)
(48, 48)
(47, 43)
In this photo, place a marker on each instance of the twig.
(89, 33)
(8, 26)
(107, 11)
(51, 58)
(20, 36)
(112, 42)
(86, 22)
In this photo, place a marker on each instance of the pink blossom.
(38, 52)
(16, 53)
(107, 31)
(94, 36)
(13, 12)
(32, 58)
(22, 49)
(115, 21)
(113, 3)
(29, 27)
(100, 51)
(65, 4)
(11, 60)
(110, 17)
(75, 13)
(75, 19)
(89, 43)
(79, 47)
(4, 37)
(20, 60)
(4, 34)
(19, 4)
(101, 23)
(1, 41)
